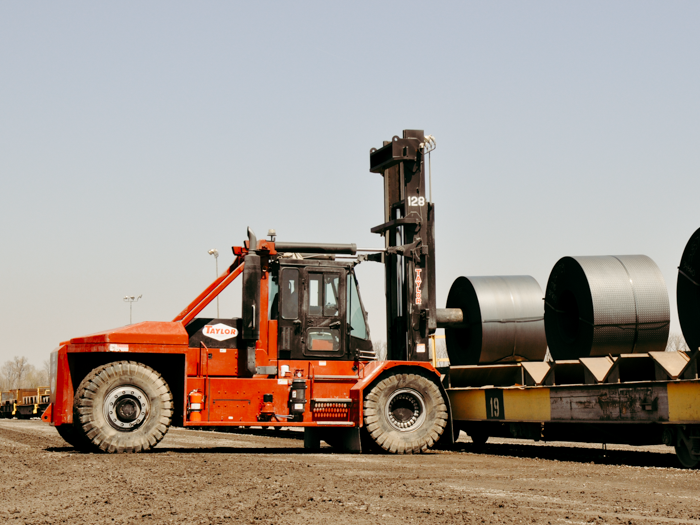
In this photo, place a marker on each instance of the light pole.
(131, 300)
(215, 253)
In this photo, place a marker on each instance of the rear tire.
(405, 413)
(123, 407)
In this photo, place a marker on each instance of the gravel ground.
(267, 477)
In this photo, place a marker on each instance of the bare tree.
(4, 380)
(441, 356)
(19, 373)
(676, 343)
(41, 375)
(380, 350)
(14, 371)
(35, 378)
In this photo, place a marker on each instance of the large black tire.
(123, 407)
(405, 413)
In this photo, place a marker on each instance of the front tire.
(405, 413)
(123, 407)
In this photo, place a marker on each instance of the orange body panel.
(61, 389)
(223, 362)
(47, 415)
(272, 340)
(239, 401)
(160, 333)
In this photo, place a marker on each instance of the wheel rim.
(405, 410)
(126, 408)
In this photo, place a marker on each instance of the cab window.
(323, 294)
(323, 339)
(356, 318)
(273, 298)
(289, 293)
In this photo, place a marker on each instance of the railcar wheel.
(479, 438)
(405, 413)
(685, 457)
(123, 407)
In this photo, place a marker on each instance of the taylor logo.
(220, 331)
(418, 282)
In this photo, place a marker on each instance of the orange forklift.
(299, 356)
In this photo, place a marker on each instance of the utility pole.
(131, 300)
(215, 253)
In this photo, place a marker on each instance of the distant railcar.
(8, 402)
(31, 402)
(24, 403)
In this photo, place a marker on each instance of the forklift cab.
(318, 310)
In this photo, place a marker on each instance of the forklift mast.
(409, 257)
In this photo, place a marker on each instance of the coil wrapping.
(605, 305)
(688, 292)
(503, 320)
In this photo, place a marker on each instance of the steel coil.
(605, 305)
(503, 320)
(688, 292)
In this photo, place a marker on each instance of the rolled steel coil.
(688, 292)
(502, 320)
(605, 305)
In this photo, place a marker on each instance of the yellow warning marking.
(527, 405)
(468, 404)
(684, 401)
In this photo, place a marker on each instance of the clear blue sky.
(136, 136)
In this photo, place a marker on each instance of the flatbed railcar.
(8, 402)
(631, 399)
(32, 402)
(24, 403)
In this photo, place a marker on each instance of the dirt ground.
(265, 477)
